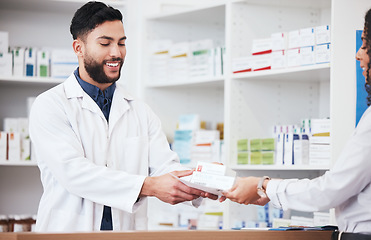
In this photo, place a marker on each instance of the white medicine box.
(18, 61)
(307, 37)
(278, 59)
(323, 34)
(3, 146)
(261, 46)
(279, 41)
(323, 53)
(4, 42)
(30, 62)
(5, 64)
(293, 39)
(307, 56)
(293, 57)
(43, 63)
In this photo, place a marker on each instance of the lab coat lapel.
(120, 104)
(74, 90)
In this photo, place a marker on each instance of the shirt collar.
(94, 91)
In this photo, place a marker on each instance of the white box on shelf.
(323, 53)
(179, 61)
(320, 125)
(278, 59)
(293, 39)
(301, 149)
(279, 41)
(3, 146)
(63, 63)
(4, 42)
(14, 144)
(288, 156)
(18, 61)
(11, 125)
(25, 139)
(261, 46)
(218, 61)
(6, 64)
(323, 34)
(30, 62)
(280, 146)
(242, 64)
(307, 37)
(43, 63)
(307, 56)
(293, 57)
(261, 62)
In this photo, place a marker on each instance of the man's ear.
(77, 46)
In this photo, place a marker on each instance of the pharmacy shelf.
(315, 73)
(209, 82)
(30, 80)
(19, 163)
(214, 12)
(280, 167)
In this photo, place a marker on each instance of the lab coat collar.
(120, 101)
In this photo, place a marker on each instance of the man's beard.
(96, 71)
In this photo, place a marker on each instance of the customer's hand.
(245, 192)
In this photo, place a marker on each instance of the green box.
(242, 145)
(268, 158)
(255, 158)
(255, 145)
(243, 158)
(268, 144)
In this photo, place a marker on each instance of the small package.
(14, 143)
(278, 59)
(279, 41)
(261, 46)
(262, 62)
(294, 39)
(43, 63)
(323, 53)
(4, 42)
(307, 37)
(307, 56)
(5, 64)
(18, 61)
(242, 64)
(293, 57)
(30, 62)
(3, 146)
(323, 34)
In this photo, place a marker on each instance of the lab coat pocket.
(135, 155)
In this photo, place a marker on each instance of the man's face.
(363, 57)
(105, 52)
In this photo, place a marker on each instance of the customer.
(346, 187)
(96, 146)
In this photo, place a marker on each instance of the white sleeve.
(348, 177)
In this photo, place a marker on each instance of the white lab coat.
(73, 144)
(346, 187)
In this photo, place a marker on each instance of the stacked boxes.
(256, 151)
(301, 47)
(15, 143)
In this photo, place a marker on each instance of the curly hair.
(90, 15)
(367, 35)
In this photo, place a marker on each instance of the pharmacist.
(346, 187)
(100, 151)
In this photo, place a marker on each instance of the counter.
(175, 235)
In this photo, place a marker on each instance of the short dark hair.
(90, 15)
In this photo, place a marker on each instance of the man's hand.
(245, 192)
(170, 190)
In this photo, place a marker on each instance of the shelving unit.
(255, 101)
(40, 24)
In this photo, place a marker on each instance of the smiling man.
(100, 151)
